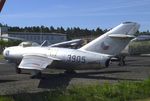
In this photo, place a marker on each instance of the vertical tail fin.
(114, 41)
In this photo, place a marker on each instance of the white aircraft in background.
(72, 43)
(98, 51)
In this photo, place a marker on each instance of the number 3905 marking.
(74, 58)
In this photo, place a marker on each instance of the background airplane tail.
(114, 41)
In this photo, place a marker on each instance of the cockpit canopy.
(28, 44)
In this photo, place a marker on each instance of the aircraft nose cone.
(6, 53)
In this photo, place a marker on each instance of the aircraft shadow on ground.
(62, 80)
(135, 65)
(4, 81)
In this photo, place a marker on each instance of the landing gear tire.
(36, 74)
(122, 61)
(18, 70)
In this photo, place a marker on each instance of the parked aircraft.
(98, 51)
(72, 43)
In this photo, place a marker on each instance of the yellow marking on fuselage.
(53, 52)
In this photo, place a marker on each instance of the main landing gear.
(36, 74)
(121, 61)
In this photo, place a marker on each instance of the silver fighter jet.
(98, 51)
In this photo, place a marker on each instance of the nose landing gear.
(18, 70)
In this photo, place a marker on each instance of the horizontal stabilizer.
(122, 36)
(12, 38)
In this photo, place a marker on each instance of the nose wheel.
(18, 70)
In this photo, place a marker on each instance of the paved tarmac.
(136, 69)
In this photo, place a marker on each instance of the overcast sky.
(76, 13)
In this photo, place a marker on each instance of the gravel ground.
(137, 69)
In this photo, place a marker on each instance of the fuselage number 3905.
(74, 58)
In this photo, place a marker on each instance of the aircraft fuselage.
(69, 58)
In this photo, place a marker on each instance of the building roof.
(143, 37)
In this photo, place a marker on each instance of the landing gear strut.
(36, 74)
(122, 61)
(18, 70)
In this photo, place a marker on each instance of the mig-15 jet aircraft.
(98, 51)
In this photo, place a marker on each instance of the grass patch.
(2, 98)
(148, 99)
(1, 57)
(139, 47)
(123, 91)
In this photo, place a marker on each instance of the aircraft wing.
(12, 38)
(35, 61)
(75, 42)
